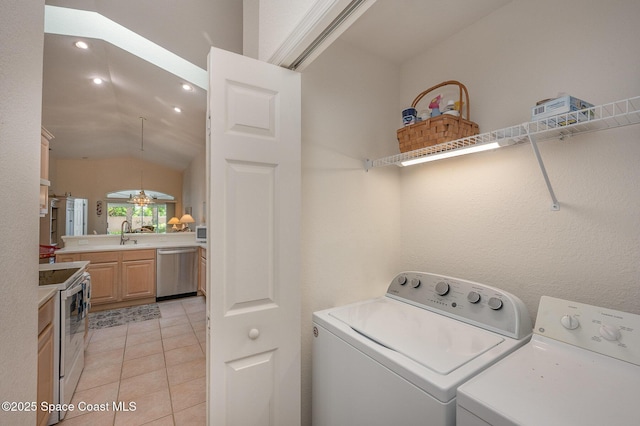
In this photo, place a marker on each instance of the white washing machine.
(398, 359)
(582, 367)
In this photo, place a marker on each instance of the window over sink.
(148, 219)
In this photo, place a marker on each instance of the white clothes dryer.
(581, 367)
(398, 359)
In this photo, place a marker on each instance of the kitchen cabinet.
(67, 258)
(45, 137)
(119, 278)
(103, 268)
(202, 272)
(45, 359)
(49, 224)
(138, 274)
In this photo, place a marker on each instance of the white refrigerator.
(72, 217)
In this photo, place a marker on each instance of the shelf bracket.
(368, 164)
(555, 206)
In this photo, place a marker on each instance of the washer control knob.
(495, 303)
(610, 332)
(473, 297)
(402, 280)
(415, 282)
(442, 288)
(569, 322)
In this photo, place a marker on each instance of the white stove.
(71, 305)
(399, 359)
(582, 367)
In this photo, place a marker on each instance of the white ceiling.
(399, 29)
(90, 121)
(103, 121)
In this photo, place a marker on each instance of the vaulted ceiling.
(103, 121)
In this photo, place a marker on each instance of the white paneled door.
(253, 258)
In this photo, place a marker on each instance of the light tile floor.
(157, 364)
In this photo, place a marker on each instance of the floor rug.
(114, 317)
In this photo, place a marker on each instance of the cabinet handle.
(254, 333)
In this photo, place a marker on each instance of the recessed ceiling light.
(97, 80)
(177, 109)
(187, 87)
(81, 45)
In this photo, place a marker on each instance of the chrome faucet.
(125, 224)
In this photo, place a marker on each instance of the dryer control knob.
(402, 280)
(415, 283)
(495, 303)
(569, 322)
(442, 288)
(473, 297)
(610, 332)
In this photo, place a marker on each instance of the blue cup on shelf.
(409, 116)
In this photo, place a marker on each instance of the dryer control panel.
(474, 303)
(605, 331)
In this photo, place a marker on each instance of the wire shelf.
(607, 116)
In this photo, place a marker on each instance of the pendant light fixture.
(141, 199)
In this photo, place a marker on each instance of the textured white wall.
(267, 23)
(21, 41)
(194, 188)
(487, 217)
(484, 217)
(350, 218)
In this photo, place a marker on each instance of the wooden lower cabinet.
(202, 272)
(104, 270)
(67, 257)
(138, 274)
(45, 360)
(119, 278)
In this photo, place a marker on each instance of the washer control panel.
(467, 301)
(606, 331)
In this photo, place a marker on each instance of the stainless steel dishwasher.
(176, 272)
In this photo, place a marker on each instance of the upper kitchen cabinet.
(45, 138)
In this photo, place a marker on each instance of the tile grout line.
(190, 321)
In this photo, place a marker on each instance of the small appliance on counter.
(201, 233)
(71, 305)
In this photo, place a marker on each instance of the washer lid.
(439, 343)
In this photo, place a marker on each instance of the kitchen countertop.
(92, 243)
(80, 264)
(44, 294)
(111, 247)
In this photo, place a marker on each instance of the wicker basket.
(440, 129)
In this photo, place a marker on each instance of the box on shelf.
(562, 105)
